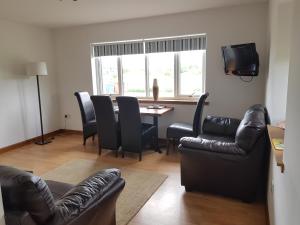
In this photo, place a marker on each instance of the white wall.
(277, 81)
(276, 91)
(19, 116)
(284, 199)
(229, 96)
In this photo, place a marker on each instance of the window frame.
(96, 62)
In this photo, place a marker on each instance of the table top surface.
(150, 112)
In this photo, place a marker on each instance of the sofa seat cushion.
(58, 189)
(179, 130)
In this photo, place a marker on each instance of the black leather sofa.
(229, 158)
(29, 200)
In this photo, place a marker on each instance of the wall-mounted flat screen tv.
(241, 60)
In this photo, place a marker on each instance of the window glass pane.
(191, 72)
(134, 81)
(161, 67)
(109, 71)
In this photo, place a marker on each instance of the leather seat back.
(107, 124)
(198, 114)
(131, 124)
(86, 107)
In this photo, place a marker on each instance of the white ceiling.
(57, 13)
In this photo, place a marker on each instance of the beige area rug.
(140, 184)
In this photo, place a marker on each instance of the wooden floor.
(170, 205)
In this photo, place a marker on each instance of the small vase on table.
(155, 90)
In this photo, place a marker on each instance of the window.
(161, 67)
(134, 79)
(109, 75)
(192, 71)
(129, 68)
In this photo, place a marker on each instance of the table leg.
(155, 123)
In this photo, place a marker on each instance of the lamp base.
(42, 142)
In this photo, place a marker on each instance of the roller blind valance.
(176, 44)
(126, 48)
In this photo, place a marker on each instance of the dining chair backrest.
(198, 114)
(86, 107)
(130, 122)
(107, 125)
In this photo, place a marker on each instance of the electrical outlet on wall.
(272, 186)
(67, 117)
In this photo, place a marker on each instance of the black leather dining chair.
(178, 130)
(87, 115)
(135, 135)
(107, 125)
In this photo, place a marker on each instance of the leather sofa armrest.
(87, 194)
(216, 146)
(221, 126)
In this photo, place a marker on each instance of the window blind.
(176, 44)
(126, 48)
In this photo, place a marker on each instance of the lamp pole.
(43, 141)
(38, 69)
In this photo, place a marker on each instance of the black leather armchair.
(178, 130)
(29, 200)
(88, 118)
(135, 135)
(229, 157)
(109, 135)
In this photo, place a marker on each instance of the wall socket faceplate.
(67, 116)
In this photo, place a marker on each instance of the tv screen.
(241, 60)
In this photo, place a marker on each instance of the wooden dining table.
(155, 114)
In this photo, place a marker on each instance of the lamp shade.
(36, 69)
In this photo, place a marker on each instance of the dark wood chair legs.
(93, 138)
(140, 156)
(123, 154)
(84, 141)
(174, 145)
(188, 189)
(99, 147)
(168, 146)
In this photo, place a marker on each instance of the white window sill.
(191, 101)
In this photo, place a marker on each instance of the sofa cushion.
(221, 126)
(25, 192)
(251, 128)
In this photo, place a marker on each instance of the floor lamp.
(38, 69)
